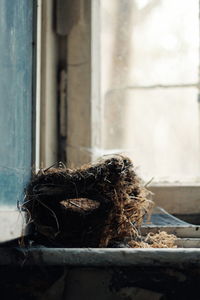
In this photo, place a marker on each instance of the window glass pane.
(149, 85)
(146, 42)
(158, 129)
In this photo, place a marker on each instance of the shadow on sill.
(190, 218)
(96, 274)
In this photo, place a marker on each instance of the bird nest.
(97, 205)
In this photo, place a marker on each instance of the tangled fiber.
(97, 205)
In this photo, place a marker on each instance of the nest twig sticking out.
(93, 206)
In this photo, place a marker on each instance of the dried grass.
(155, 240)
(93, 206)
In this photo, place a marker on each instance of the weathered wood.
(49, 88)
(16, 48)
(67, 14)
(177, 199)
(79, 89)
(180, 231)
(188, 243)
(91, 257)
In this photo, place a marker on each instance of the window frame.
(83, 99)
(46, 111)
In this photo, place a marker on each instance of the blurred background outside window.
(149, 89)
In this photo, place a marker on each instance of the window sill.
(93, 257)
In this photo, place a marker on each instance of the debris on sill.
(98, 205)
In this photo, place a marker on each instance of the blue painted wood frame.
(16, 52)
